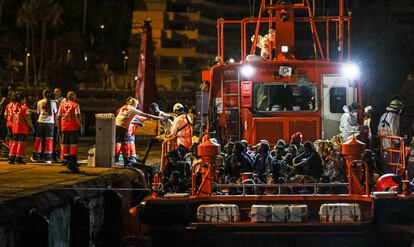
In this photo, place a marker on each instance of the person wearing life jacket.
(57, 133)
(124, 118)
(389, 124)
(69, 121)
(349, 121)
(21, 126)
(182, 127)
(47, 111)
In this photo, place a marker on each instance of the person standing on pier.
(47, 110)
(59, 99)
(125, 115)
(69, 117)
(21, 124)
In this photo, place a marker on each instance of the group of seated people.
(295, 162)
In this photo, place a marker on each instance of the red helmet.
(387, 181)
(297, 137)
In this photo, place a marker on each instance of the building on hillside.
(184, 34)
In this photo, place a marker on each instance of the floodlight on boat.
(350, 71)
(247, 70)
(284, 48)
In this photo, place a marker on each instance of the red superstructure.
(277, 94)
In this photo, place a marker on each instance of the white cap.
(367, 108)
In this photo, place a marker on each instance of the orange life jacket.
(184, 131)
(20, 124)
(68, 112)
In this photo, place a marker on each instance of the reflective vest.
(20, 124)
(183, 130)
(125, 115)
(8, 113)
(68, 112)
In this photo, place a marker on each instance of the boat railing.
(167, 146)
(248, 184)
(281, 189)
(392, 152)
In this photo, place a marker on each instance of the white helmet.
(177, 107)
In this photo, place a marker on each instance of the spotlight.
(350, 71)
(247, 70)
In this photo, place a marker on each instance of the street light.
(125, 62)
(68, 56)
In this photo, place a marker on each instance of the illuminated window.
(284, 97)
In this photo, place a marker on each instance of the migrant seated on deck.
(177, 173)
(281, 161)
(308, 165)
(263, 165)
(238, 162)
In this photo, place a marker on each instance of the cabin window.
(284, 97)
(337, 99)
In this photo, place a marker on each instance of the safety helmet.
(367, 108)
(178, 107)
(396, 104)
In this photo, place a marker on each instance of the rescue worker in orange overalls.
(125, 115)
(182, 127)
(8, 115)
(21, 124)
(47, 111)
(69, 120)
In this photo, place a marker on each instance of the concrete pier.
(45, 205)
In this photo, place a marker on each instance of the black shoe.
(73, 167)
(11, 161)
(19, 161)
